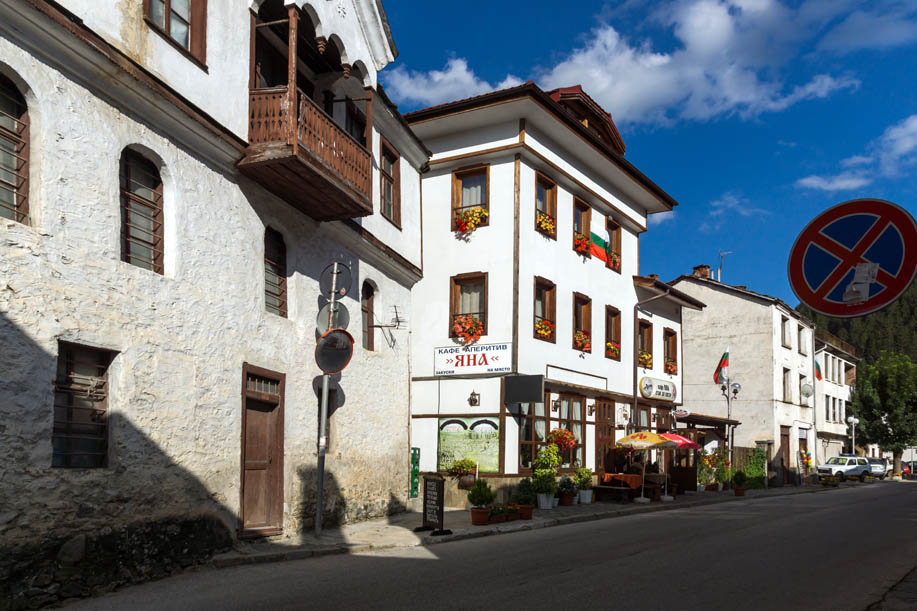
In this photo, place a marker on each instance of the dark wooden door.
(604, 437)
(262, 453)
(785, 454)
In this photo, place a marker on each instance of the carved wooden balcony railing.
(300, 154)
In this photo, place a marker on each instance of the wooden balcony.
(299, 153)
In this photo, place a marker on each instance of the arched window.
(275, 273)
(366, 305)
(141, 212)
(14, 153)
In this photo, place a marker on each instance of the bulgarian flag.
(817, 371)
(598, 247)
(722, 370)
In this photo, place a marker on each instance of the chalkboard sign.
(434, 488)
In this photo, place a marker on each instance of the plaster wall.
(181, 338)
(832, 392)
(220, 88)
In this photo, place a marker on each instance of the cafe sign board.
(475, 358)
(654, 388)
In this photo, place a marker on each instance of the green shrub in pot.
(481, 494)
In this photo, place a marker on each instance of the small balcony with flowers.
(296, 149)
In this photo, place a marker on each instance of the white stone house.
(836, 366)
(167, 204)
(771, 354)
(546, 167)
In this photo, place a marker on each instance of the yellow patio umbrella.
(644, 440)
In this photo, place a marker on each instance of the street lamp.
(854, 422)
(730, 397)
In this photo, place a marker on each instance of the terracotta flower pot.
(466, 481)
(480, 517)
(739, 491)
(525, 512)
(566, 499)
(498, 519)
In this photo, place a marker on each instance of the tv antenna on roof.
(719, 271)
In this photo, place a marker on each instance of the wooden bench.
(620, 493)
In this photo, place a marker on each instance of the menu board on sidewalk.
(433, 501)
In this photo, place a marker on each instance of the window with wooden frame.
(544, 307)
(533, 423)
(612, 333)
(787, 385)
(840, 410)
(645, 344)
(670, 350)
(827, 410)
(141, 212)
(545, 205)
(801, 340)
(355, 123)
(470, 190)
(802, 400)
(275, 273)
(642, 418)
(834, 409)
(80, 434)
(468, 297)
(390, 175)
(367, 296)
(182, 22)
(14, 153)
(582, 323)
(582, 223)
(613, 246)
(786, 332)
(571, 415)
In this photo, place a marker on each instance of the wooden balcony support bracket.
(291, 78)
(320, 43)
(368, 133)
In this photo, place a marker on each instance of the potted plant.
(524, 497)
(545, 223)
(738, 482)
(613, 350)
(567, 490)
(704, 470)
(544, 329)
(614, 261)
(671, 366)
(544, 474)
(512, 512)
(645, 359)
(584, 485)
(582, 341)
(581, 244)
(480, 496)
(497, 514)
(467, 328)
(464, 470)
(721, 469)
(468, 221)
(563, 439)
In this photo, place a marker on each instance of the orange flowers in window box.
(645, 359)
(468, 328)
(562, 438)
(613, 350)
(614, 261)
(470, 219)
(581, 244)
(582, 341)
(544, 329)
(545, 223)
(671, 366)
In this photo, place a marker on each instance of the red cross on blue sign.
(854, 258)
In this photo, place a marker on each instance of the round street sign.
(339, 319)
(341, 282)
(854, 258)
(681, 413)
(334, 350)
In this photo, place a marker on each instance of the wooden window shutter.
(199, 30)
(396, 190)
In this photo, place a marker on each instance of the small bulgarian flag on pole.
(722, 370)
(817, 371)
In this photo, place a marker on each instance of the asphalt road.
(836, 550)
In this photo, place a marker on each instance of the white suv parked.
(843, 467)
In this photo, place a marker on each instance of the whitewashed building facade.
(546, 167)
(167, 204)
(836, 361)
(771, 354)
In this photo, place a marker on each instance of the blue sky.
(755, 115)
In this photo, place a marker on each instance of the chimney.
(702, 271)
(653, 276)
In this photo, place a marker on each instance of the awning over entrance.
(704, 420)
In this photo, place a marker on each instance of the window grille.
(14, 153)
(80, 433)
(141, 212)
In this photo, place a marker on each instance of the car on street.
(879, 467)
(843, 467)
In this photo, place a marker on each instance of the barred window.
(80, 436)
(14, 153)
(141, 212)
(275, 273)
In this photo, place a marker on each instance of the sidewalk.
(397, 530)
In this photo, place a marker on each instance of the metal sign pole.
(323, 416)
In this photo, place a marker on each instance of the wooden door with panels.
(604, 437)
(262, 452)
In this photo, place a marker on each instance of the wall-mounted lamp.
(591, 408)
(555, 405)
(474, 399)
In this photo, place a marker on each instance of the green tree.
(886, 403)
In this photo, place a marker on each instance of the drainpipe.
(633, 407)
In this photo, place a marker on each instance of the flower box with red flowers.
(614, 261)
(544, 329)
(613, 350)
(469, 220)
(582, 341)
(545, 224)
(645, 359)
(467, 328)
(563, 439)
(671, 366)
(581, 244)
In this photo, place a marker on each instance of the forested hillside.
(893, 329)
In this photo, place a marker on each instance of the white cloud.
(844, 181)
(728, 205)
(895, 149)
(872, 30)
(454, 82)
(661, 217)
